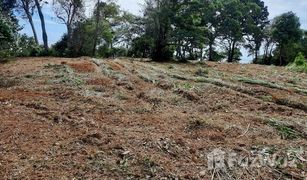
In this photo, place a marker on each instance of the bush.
(60, 48)
(26, 47)
(141, 47)
(4, 55)
(6, 38)
(300, 64)
(104, 51)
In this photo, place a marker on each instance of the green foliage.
(60, 48)
(188, 30)
(185, 30)
(286, 32)
(285, 131)
(157, 19)
(93, 36)
(6, 37)
(26, 46)
(6, 32)
(303, 44)
(104, 51)
(142, 47)
(300, 64)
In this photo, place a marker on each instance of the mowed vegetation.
(121, 96)
(127, 119)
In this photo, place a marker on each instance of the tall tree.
(97, 15)
(69, 12)
(232, 26)
(26, 8)
(157, 15)
(269, 44)
(106, 15)
(286, 32)
(7, 12)
(304, 44)
(43, 25)
(188, 29)
(6, 32)
(256, 20)
(212, 20)
(7, 6)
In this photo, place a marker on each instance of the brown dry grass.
(138, 120)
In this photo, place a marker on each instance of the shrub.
(60, 48)
(300, 64)
(26, 46)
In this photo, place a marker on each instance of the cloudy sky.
(56, 30)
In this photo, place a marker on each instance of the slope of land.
(126, 119)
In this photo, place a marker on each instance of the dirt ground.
(127, 119)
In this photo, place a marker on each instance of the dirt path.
(89, 118)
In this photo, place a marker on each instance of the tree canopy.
(178, 30)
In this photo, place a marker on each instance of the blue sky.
(56, 30)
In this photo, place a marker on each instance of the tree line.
(178, 30)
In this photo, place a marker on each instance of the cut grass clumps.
(7, 83)
(202, 72)
(65, 75)
(261, 83)
(196, 124)
(287, 132)
(299, 65)
(170, 67)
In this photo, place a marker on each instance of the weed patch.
(202, 72)
(286, 131)
(196, 124)
(7, 83)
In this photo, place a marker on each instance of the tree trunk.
(201, 54)
(70, 44)
(232, 51)
(41, 16)
(280, 56)
(96, 28)
(256, 55)
(33, 28)
(211, 51)
(25, 7)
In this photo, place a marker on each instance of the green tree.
(287, 33)
(232, 26)
(304, 44)
(106, 15)
(141, 47)
(212, 20)
(7, 32)
(268, 46)
(157, 19)
(256, 14)
(93, 36)
(188, 30)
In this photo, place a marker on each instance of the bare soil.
(127, 119)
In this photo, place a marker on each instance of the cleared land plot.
(91, 118)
